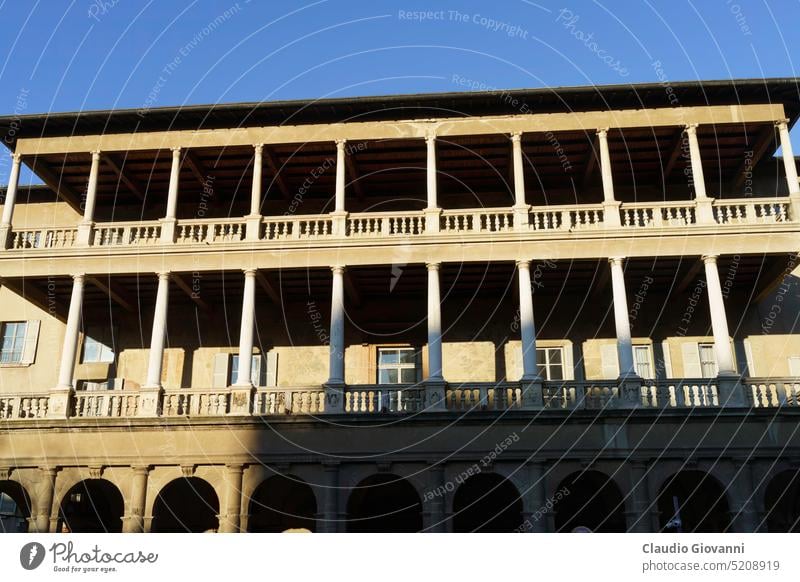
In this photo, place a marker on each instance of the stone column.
(10, 201)
(639, 513)
(59, 398)
(229, 521)
(328, 519)
(705, 214)
(169, 221)
(242, 390)
(432, 212)
(531, 381)
(629, 381)
(151, 391)
(134, 521)
(87, 224)
(610, 204)
(730, 389)
(521, 209)
(743, 499)
(334, 401)
(253, 220)
(44, 503)
(339, 214)
(433, 501)
(434, 383)
(535, 507)
(790, 168)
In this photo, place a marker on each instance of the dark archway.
(782, 503)
(91, 506)
(693, 501)
(591, 501)
(384, 503)
(15, 507)
(186, 505)
(281, 503)
(487, 503)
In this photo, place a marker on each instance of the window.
(398, 366)
(550, 362)
(13, 345)
(97, 349)
(708, 360)
(643, 361)
(258, 373)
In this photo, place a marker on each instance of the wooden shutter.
(272, 368)
(31, 340)
(220, 379)
(667, 359)
(691, 360)
(609, 361)
(794, 366)
(257, 371)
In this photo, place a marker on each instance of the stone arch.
(487, 502)
(384, 503)
(693, 501)
(591, 501)
(91, 506)
(782, 502)
(186, 504)
(280, 503)
(15, 507)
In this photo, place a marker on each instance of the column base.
(241, 400)
(629, 391)
(228, 523)
(730, 392)
(168, 228)
(133, 524)
(532, 395)
(85, 234)
(339, 223)
(334, 397)
(521, 217)
(59, 403)
(433, 217)
(611, 217)
(149, 401)
(705, 211)
(435, 395)
(252, 227)
(5, 236)
(794, 208)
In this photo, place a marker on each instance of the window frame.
(233, 369)
(547, 365)
(398, 366)
(647, 348)
(713, 361)
(18, 342)
(103, 348)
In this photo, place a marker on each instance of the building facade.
(533, 311)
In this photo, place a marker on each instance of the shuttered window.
(644, 361)
(19, 340)
(708, 360)
(263, 371)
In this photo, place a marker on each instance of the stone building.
(533, 310)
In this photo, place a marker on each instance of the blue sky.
(66, 56)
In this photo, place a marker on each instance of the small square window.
(398, 366)
(13, 342)
(551, 363)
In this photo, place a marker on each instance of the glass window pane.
(389, 356)
(543, 371)
(555, 355)
(556, 373)
(541, 357)
(234, 368)
(408, 375)
(408, 356)
(388, 376)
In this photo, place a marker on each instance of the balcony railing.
(373, 399)
(366, 225)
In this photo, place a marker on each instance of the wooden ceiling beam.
(193, 295)
(268, 287)
(762, 143)
(119, 169)
(115, 293)
(56, 183)
(351, 289)
(676, 148)
(272, 165)
(197, 167)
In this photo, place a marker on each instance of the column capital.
(516, 136)
(51, 471)
(782, 123)
(710, 259)
(430, 136)
(338, 269)
(602, 132)
(616, 261)
(433, 266)
(523, 264)
(78, 277)
(250, 272)
(691, 128)
(234, 468)
(17, 158)
(163, 275)
(141, 469)
(340, 143)
(95, 155)
(176, 151)
(259, 147)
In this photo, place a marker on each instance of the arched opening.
(487, 503)
(384, 504)
(281, 503)
(591, 501)
(188, 504)
(15, 507)
(782, 503)
(693, 501)
(91, 506)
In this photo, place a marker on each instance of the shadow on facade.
(782, 503)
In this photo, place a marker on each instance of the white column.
(527, 328)
(719, 321)
(519, 175)
(434, 324)
(610, 203)
(156, 356)
(91, 189)
(337, 327)
(340, 173)
(246, 331)
(255, 191)
(697, 163)
(433, 202)
(623, 325)
(70, 349)
(169, 220)
(788, 158)
(10, 201)
(11, 191)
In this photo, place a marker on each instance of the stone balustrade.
(367, 225)
(460, 398)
